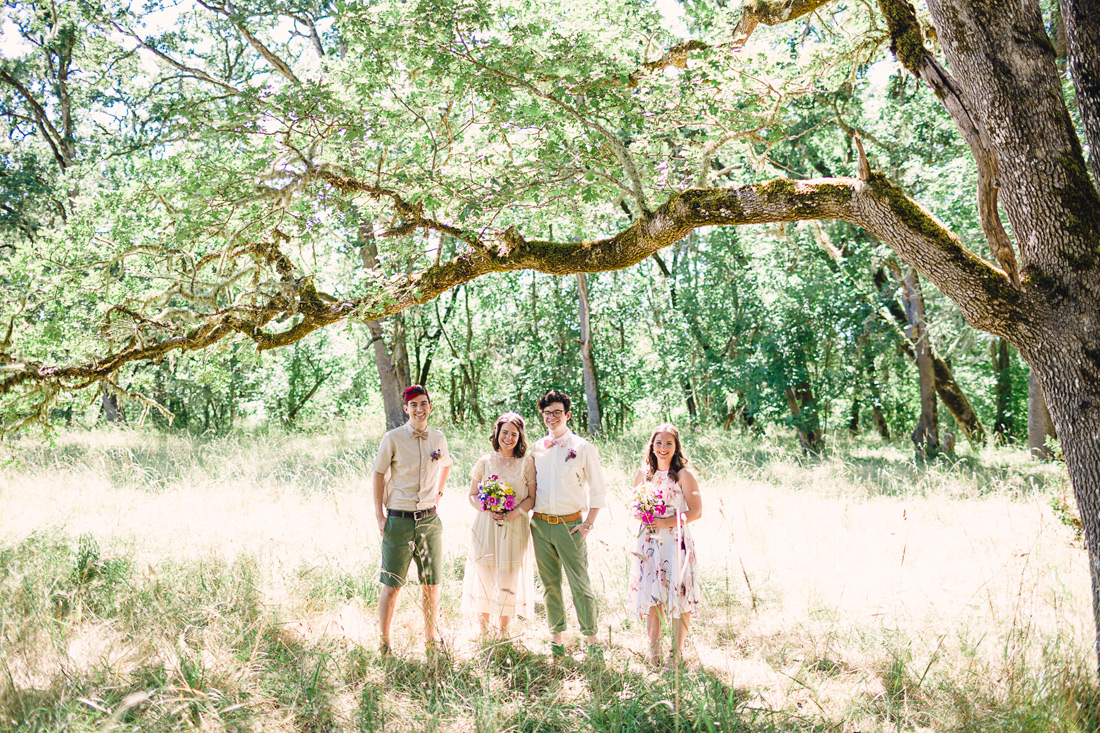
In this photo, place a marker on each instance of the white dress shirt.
(568, 474)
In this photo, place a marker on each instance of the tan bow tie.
(420, 434)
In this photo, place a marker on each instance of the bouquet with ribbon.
(496, 496)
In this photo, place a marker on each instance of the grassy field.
(154, 583)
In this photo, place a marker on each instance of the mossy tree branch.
(983, 292)
(770, 12)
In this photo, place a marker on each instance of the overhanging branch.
(982, 291)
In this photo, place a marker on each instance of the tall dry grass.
(152, 582)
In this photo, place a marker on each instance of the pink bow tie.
(560, 442)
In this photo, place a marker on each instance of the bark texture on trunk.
(1039, 425)
(1081, 27)
(1005, 64)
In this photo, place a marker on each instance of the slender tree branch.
(230, 12)
(198, 73)
(42, 119)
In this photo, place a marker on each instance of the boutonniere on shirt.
(437, 454)
(571, 454)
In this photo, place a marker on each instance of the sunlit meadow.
(152, 582)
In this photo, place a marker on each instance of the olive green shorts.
(405, 539)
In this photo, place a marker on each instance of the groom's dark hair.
(554, 396)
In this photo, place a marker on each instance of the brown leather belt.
(415, 516)
(552, 519)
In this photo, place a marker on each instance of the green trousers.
(556, 549)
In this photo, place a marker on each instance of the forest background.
(180, 222)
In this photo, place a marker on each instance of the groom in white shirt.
(570, 483)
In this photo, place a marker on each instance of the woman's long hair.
(516, 419)
(679, 459)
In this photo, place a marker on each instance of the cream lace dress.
(499, 579)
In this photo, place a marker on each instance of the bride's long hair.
(679, 459)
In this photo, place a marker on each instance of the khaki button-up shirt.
(567, 484)
(412, 472)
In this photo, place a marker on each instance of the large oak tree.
(258, 132)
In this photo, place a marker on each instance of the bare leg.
(430, 606)
(504, 621)
(387, 601)
(483, 621)
(653, 626)
(679, 632)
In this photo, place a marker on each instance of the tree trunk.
(112, 408)
(853, 413)
(1039, 425)
(947, 387)
(588, 361)
(800, 400)
(1069, 375)
(689, 398)
(1004, 423)
(877, 415)
(926, 436)
(393, 369)
(392, 360)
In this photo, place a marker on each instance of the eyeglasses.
(553, 413)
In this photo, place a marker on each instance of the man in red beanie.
(410, 472)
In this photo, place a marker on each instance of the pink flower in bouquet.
(647, 504)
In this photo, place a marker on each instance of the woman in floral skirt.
(663, 572)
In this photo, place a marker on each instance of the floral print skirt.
(663, 572)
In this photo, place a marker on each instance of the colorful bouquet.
(496, 496)
(647, 504)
